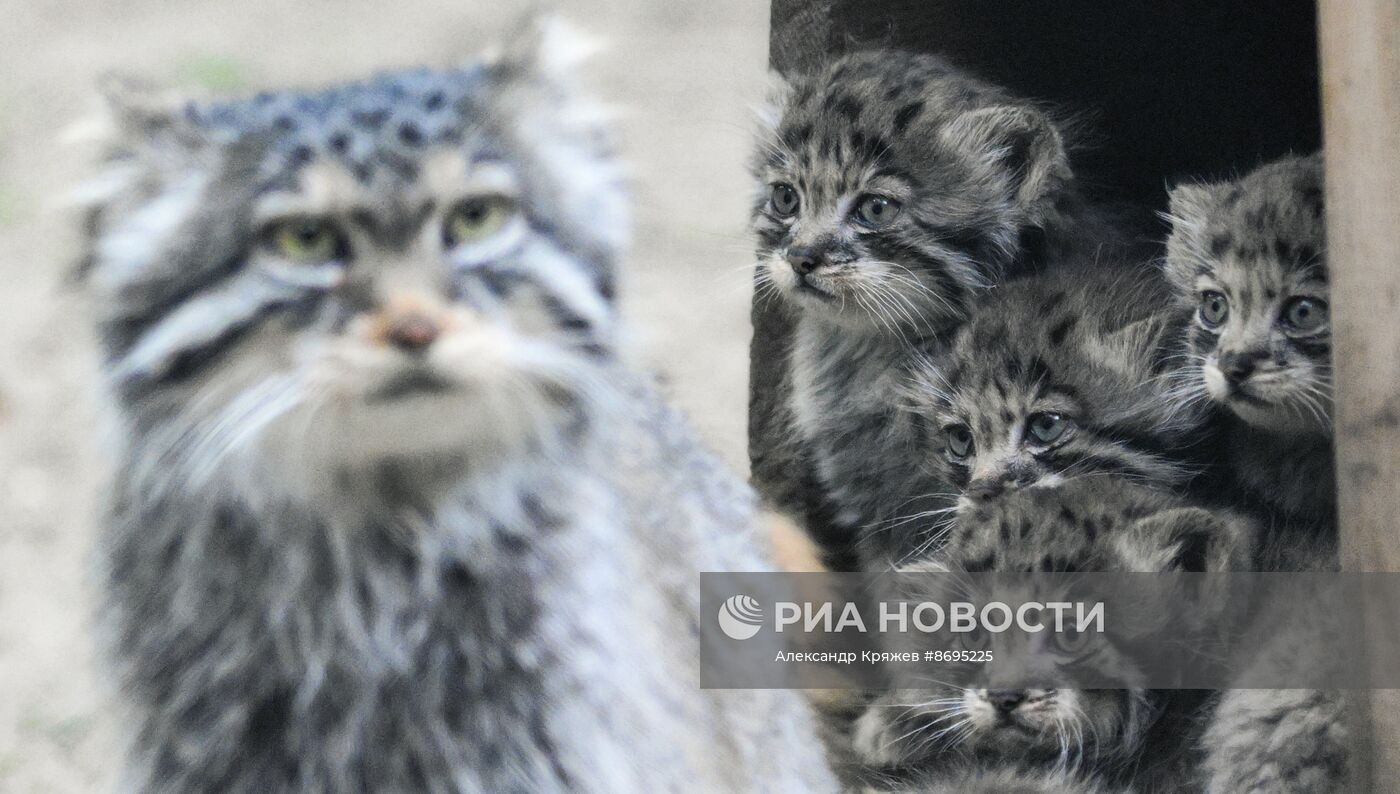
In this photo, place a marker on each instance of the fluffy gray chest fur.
(533, 630)
(845, 406)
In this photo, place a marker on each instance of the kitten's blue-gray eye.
(976, 640)
(876, 211)
(1071, 641)
(959, 440)
(1046, 428)
(1305, 314)
(1214, 308)
(784, 199)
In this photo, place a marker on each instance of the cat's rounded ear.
(1189, 540)
(1018, 141)
(545, 47)
(1136, 341)
(1190, 202)
(1189, 205)
(140, 115)
(540, 106)
(143, 139)
(1193, 540)
(776, 96)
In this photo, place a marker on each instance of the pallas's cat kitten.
(1250, 257)
(390, 515)
(1054, 377)
(892, 190)
(1124, 736)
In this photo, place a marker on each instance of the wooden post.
(1360, 47)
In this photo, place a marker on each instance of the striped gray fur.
(389, 513)
(893, 190)
(1249, 257)
(1259, 243)
(1292, 741)
(1146, 739)
(1054, 377)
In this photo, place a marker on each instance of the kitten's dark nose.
(1237, 367)
(803, 260)
(982, 490)
(412, 332)
(1005, 700)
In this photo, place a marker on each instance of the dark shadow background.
(1179, 89)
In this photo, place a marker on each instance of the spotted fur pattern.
(892, 189)
(1294, 741)
(1055, 377)
(1249, 258)
(1080, 525)
(1290, 741)
(393, 517)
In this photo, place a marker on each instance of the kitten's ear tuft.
(1189, 540)
(1190, 203)
(776, 96)
(1189, 206)
(547, 47)
(1134, 346)
(1021, 141)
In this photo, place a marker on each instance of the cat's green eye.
(477, 219)
(1047, 427)
(307, 241)
(876, 211)
(1305, 314)
(784, 199)
(1214, 308)
(959, 440)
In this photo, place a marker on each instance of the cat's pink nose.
(412, 331)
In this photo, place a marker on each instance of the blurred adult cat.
(391, 515)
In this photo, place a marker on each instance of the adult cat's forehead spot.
(320, 188)
(450, 173)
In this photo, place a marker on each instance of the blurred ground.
(687, 72)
